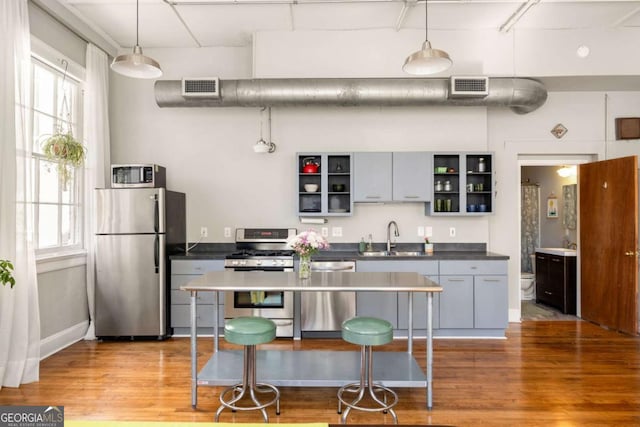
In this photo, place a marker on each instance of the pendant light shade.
(136, 64)
(427, 60)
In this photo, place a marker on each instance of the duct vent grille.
(204, 87)
(469, 87)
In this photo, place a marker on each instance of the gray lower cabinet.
(183, 271)
(395, 308)
(474, 300)
(383, 305)
(456, 302)
(490, 303)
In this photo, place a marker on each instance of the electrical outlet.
(204, 232)
(420, 231)
(336, 231)
(452, 232)
(325, 231)
(227, 232)
(428, 231)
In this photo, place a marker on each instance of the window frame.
(77, 196)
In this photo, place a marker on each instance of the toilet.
(528, 282)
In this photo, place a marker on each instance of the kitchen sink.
(391, 254)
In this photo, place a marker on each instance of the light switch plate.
(428, 231)
(227, 232)
(420, 231)
(325, 231)
(336, 231)
(452, 232)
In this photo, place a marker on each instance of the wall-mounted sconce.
(262, 146)
(559, 130)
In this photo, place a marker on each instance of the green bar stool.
(249, 332)
(367, 332)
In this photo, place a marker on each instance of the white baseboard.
(56, 342)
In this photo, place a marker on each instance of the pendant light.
(427, 60)
(136, 64)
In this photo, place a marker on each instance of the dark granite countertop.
(349, 251)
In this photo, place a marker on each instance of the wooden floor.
(560, 373)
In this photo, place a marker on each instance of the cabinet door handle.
(455, 280)
(491, 280)
(541, 257)
(411, 197)
(555, 260)
(372, 197)
(548, 293)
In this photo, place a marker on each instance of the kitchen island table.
(313, 368)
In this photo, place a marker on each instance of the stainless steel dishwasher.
(325, 311)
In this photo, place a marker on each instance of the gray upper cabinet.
(325, 184)
(463, 184)
(412, 176)
(392, 177)
(372, 177)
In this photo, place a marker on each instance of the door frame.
(552, 160)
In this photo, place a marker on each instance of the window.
(56, 106)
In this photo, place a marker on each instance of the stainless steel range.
(262, 249)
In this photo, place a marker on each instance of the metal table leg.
(429, 350)
(194, 350)
(410, 325)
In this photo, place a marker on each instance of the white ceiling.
(193, 23)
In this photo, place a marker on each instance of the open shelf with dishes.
(325, 181)
(462, 184)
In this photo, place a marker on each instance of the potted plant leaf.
(68, 152)
(6, 275)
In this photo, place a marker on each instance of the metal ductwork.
(522, 95)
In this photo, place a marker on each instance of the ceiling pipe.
(521, 95)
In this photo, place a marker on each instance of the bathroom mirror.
(569, 206)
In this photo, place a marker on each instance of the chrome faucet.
(572, 246)
(396, 233)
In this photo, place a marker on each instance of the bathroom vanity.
(556, 278)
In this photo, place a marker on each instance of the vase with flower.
(428, 246)
(306, 244)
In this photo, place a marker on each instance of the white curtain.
(96, 132)
(19, 309)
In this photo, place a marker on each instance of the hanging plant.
(64, 149)
(6, 275)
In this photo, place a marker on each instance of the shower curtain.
(529, 224)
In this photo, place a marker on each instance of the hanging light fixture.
(136, 64)
(263, 146)
(427, 60)
(567, 171)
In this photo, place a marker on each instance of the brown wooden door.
(608, 243)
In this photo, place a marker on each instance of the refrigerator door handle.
(156, 253)
(156, 214)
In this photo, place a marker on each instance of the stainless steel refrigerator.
(137, 229)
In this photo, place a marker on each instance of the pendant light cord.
(137, 21)
(426, 20)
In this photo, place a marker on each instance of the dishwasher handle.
(333, 268)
